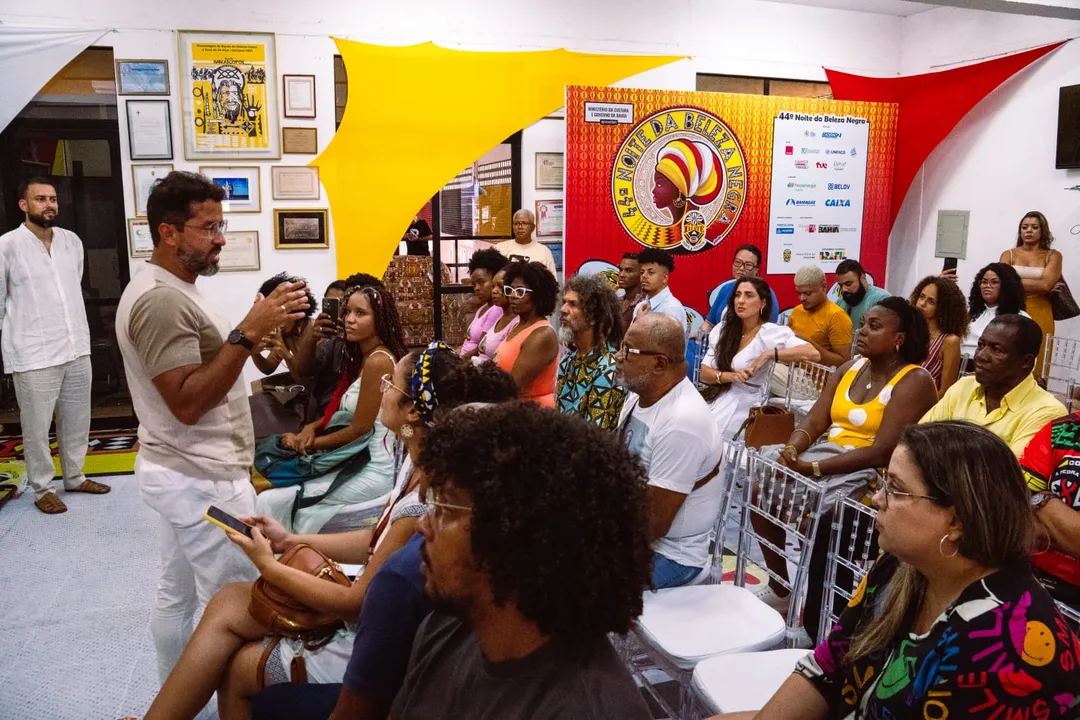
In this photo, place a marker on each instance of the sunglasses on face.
(515, 292)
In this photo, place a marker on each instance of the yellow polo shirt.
(828, 326)
(1023, 411)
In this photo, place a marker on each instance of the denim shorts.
(667, 573)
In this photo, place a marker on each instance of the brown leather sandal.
(89, 486)
(50, 504)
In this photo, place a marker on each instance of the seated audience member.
(861, 412)
(666, 423)
(997, 290)
(950, 621)
(328, 453)
(656, 267)
(942, 304)
(1003, 396)
(741, 352)
(630, 284)
(284, 343)
(591, 328)
(746, 264)
(857, 295)
(818, 320)
(530, 351)
(1051, 465)
(524, 248)
(225, 650)
(493, 338)
(322, 363)
(484, 265)
(532, 557)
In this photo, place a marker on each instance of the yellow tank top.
(855, 425)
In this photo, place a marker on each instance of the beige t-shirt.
(533, 252)
(164, 323)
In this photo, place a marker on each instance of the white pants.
(197, 558)
(63, 391)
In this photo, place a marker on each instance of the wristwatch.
(1039, 499)
(237, 337)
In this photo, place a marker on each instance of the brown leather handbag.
(767, 425)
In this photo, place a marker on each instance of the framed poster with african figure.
(229, 95)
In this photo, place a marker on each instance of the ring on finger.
(284, 309)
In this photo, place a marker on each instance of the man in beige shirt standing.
(523, 247)
(184, 369)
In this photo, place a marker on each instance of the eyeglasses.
(516, 292)
(210, 231)
(889, 492)
(627, 350)
(387, 383)
(989, 283)
(437, 510)
(741, 265)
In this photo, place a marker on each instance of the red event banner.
(693, 172)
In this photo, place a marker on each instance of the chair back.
(851, 548)
(783, 318)
(792, 501)
(732, 470)
(1071, 614)
(701, 351)
(1061, 366)
(965, 360)
(806, 381)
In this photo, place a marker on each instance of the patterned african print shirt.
(1002, 650)
(586, 386)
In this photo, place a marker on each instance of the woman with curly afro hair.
(944, 307)
(996, 290)
(530, 352)
(535, 548)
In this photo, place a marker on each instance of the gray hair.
(666, 335)
(810, 275)
(528, 213)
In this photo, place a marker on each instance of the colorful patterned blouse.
(586, 387)
(1002, 651)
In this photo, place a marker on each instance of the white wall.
(999, 160)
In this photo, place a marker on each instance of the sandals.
(50, 504)
(89, 486)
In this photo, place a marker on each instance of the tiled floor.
(75, 596)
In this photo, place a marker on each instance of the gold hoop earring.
(941, 542)
(406, 432)
(680, 202)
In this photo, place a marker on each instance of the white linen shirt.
(41, 306)
(665, 302)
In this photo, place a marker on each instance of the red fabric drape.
(930, 105)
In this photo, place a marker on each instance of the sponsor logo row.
(817, 228)
(821, 165)
(829, 202)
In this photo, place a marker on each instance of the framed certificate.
(300, 229)
(241, 251)
(299, 96)
(549, 218)
(295, 182)
(549, 171)
(243, 193)
(140, 244)
(143, 178)
(142, 77)
(149, 129)
(300, 140)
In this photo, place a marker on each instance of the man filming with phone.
(183, 361)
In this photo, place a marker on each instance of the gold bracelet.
(817, 468)
(808, 438)
(789, 446)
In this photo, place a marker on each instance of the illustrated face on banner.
(679, 180)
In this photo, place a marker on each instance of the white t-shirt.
(533, 252)
(678, 442)
(975, 330)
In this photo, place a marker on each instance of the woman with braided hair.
(225, 651)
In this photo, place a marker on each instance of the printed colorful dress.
(1002, 650)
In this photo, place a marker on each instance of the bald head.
(662, 333)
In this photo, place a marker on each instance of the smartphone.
(225, 521)
(332, 307)
(950, 264)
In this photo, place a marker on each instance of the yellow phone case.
(223, 526)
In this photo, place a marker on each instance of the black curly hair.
(457, 383)
(488, 259)
(952, 313)
(561, 534)
(362, 280)
(916, 345)
(284, 277)
(601, 306)
(1011, 299)
(658, 256)
(538, 278)
(387, 328)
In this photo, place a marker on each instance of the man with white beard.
(591, 329)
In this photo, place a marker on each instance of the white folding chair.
(680, 627)
(700, 354)
(851, 548)
(782, 318)
(806, 381)
(1071, 614)
(1061, 366)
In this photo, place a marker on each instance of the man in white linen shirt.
(523, 246)
(46, 343)
(667, 424)
(196, 441)
(656, 267)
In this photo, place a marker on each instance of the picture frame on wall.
(140, 243)
(143, 178)
(300, 140)
(149, 125)
(295, 182)
(299, 94)
(228, 90)
(142, 77)
(243, 191)
(301, 229)
(549, 218)
(549, 170)
(241, 252)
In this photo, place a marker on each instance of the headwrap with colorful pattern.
(423, 390)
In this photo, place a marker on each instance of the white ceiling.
(900, 8)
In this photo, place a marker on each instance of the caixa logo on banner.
(837, 202)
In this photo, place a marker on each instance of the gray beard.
(566, 335)
(198, 265)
